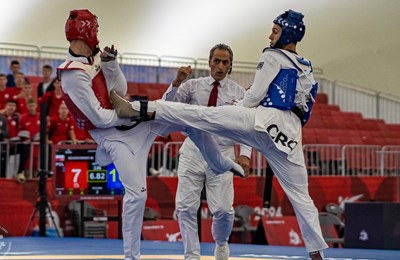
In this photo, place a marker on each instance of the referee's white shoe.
(221, 252)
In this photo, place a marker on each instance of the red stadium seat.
(310, 140)
(392, 141)
(326, 107)
(315, 122)
(309, 136)
(321, 98)
(354, 115)
(393, 130)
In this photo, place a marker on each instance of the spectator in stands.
(47, 84)
(28, 131)
(193, 172)
(3, 81)
(82, 136)
(61, 127)
(53, 99)
(12, 119)
(12, 77)
(14, 69)
(269, 118)
(23, 97)
(19, 83)
(87, 79)
(3, 128)
(3, 147)
(5, 92)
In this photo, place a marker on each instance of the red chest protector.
(99, 88)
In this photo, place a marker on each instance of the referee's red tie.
(212, 101)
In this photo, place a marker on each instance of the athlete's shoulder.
(272, 55)
(272, 51)
(70, 65)
(269, 57)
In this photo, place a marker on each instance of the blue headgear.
(293, 28)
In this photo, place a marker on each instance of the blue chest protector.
(282, 90)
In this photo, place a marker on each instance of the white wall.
(352, 40)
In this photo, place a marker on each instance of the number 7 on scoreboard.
(76, 175)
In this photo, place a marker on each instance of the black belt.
(140, 119)
(297, 111)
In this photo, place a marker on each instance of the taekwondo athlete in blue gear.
(274, 131)
(282, 91)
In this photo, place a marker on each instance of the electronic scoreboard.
(77, 174)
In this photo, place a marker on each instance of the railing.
(170, 157)
(163, 158)
(320, 159)
(390, 165)
(390, 160)
(155, 159)
(370, 103)
(352, 160)
(323, 159)
(10, 158)
(360, 160)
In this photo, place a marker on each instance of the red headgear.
(82, 25)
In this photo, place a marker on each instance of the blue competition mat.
(85, 248)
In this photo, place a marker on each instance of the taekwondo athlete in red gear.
(87, 79)
(269, 118)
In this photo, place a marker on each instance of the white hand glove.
(108, 54)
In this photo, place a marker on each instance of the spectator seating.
(322, 98)
(329, 125)
(332, 229)
(243, 222)
(334, 139)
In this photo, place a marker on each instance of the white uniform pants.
(192, 174)
(133, 176)
(238, 123)
(129, 151)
